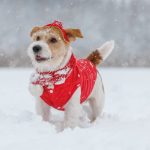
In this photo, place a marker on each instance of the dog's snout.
(36, 48)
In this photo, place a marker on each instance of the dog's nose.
(36, 48)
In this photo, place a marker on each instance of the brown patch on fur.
(59, 32)
(36, 29)
(55, 29)
(95, 57)
(73, 34)
(58, 48)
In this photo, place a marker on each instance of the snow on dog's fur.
(50, 51)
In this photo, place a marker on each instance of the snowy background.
(125, 123)
(125, 21)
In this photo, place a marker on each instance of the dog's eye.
(37, 38)
(53, 40)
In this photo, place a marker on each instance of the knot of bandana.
(60, 26)
(52, 78)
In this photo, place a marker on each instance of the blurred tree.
(127, 22)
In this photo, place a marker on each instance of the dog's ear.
(72, 34)
(34, 29)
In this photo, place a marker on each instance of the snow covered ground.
(125, 124)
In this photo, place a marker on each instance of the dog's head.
(50, 45)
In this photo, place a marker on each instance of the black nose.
(36, 48)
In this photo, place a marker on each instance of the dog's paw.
(36, 90)
(70, 124)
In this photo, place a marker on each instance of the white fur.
(73, 109)
(35, 90)
(45, 51)
(42, 109)
(96, 99)
(106, 49)
(52, 63)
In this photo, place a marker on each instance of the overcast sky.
(127, 22)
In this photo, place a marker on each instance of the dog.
(60, 80)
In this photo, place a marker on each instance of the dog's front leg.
(41, 107)
(73, 110)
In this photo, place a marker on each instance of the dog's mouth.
(39, 58)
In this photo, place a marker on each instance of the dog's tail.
(100, 54)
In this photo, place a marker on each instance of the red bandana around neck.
(60, 85)
(52, 78)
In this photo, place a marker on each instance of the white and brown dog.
(61, 81)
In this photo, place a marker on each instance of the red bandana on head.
(60, 26)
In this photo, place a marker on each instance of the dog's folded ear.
(72, 34)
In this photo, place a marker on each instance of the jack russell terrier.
(61, 80)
